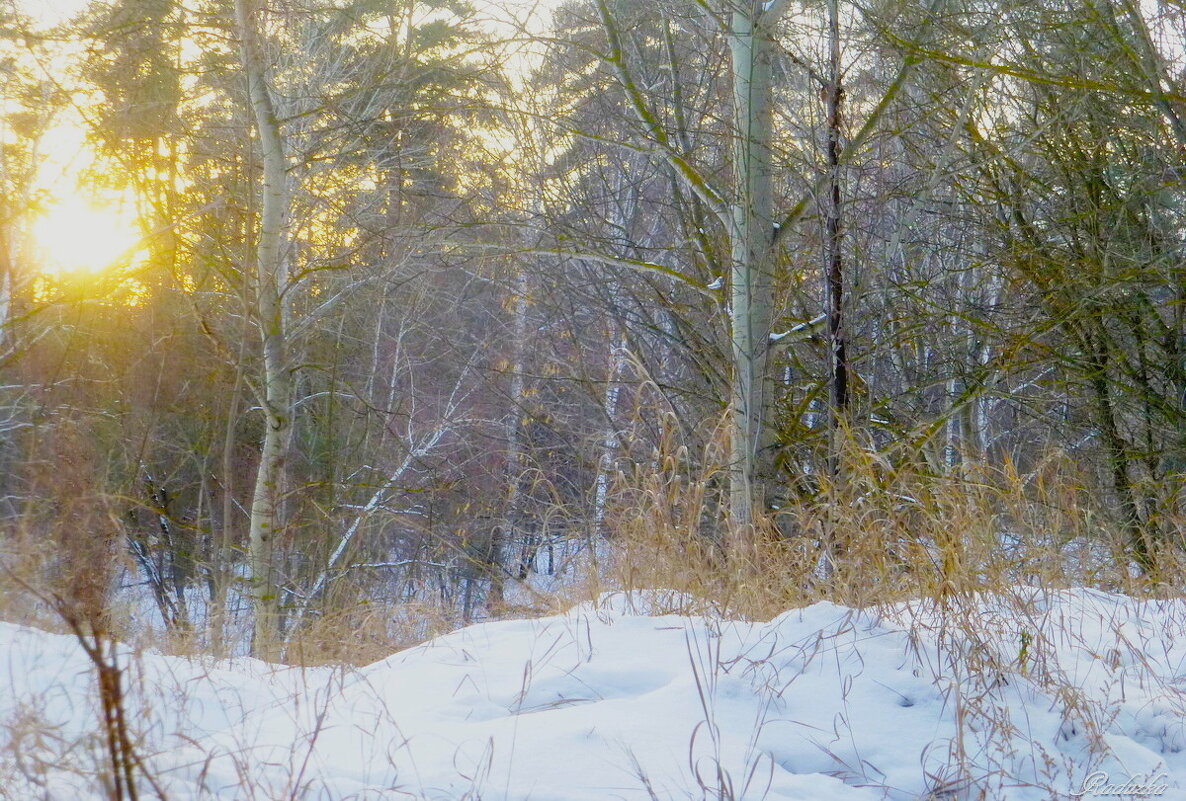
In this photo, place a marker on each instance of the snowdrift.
(1054, 695)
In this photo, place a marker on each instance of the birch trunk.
(610, 443)
(748, 215)
(752, 285)
(265, 518)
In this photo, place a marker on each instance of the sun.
(78, 236)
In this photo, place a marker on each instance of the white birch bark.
(751, 227)
(276, 389)
(610, 444)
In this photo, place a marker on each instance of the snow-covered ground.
(1034, 698)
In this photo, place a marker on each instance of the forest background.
(358, 320)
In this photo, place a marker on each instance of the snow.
(1024, 697)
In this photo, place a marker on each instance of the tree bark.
(752, 244)
(276, 390)
(837, 338)
(1117, 456)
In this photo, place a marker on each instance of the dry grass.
(894, 529)
(888, 532)
(365, 633)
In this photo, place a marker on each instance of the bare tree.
(275, 387)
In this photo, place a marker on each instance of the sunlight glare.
(76, 236)
(51, 12)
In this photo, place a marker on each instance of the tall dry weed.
(891, 528)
